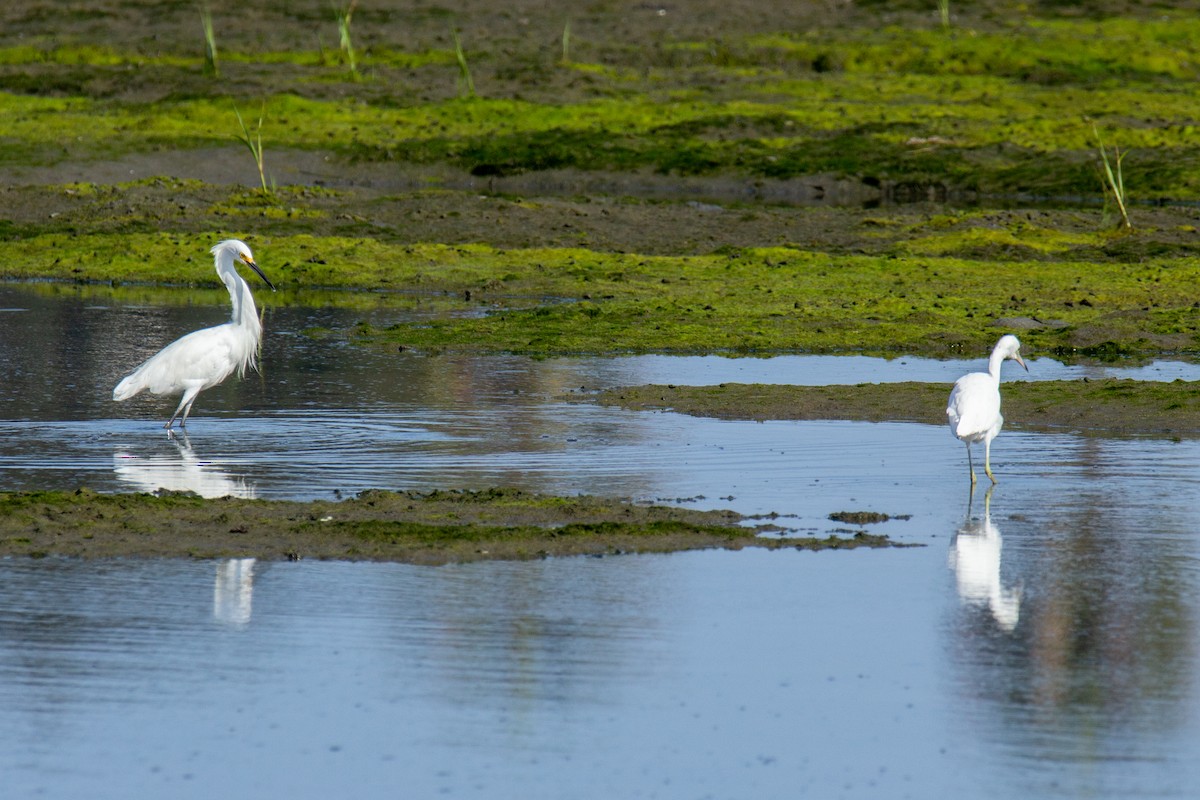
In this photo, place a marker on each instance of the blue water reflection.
(1042, 643)
(975, 555)
(175, 467)
(1096, 687)
(845, 674)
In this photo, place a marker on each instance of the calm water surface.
(1042, 642)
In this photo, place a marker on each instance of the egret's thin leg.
(970, 466)
(188, 410)
(185, 406)
(987, 460)
(179, 408)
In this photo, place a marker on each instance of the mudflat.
(738, 179)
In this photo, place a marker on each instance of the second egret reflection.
(233, 591)
(179, 469)
(975, 558)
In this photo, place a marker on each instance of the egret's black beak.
(250, 263)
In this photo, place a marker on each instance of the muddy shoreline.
(324, 194)
(702, 131)
(1109, 407)
(421, 528)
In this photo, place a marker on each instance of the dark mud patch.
(325, 195)
(202, 190)
(1105, 407)
(865, 517)
(425, 528)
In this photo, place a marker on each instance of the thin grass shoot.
(253, 142)
(1114, 177)
(344, 15)
(466, 86)
(210, 44)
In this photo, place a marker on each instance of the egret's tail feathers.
(249, 361)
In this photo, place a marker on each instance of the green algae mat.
(743, 302)
(1004, 98)
(826, 178)
(1108, 407)
(425, 528)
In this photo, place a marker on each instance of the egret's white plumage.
(204, 358)
(974, 408)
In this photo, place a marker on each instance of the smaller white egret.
(204, 358)
(974, 407)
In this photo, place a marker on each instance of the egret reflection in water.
(233, 591)
(975, 558)
(179, 471)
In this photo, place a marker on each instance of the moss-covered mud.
(825, 177)
(1001, 101)
(425, 528)
(552, 301)
(1107, 407)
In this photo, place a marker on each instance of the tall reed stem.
(344, 16)
(466, 86)
(1114, 179)
(253, 142)
(210, 44)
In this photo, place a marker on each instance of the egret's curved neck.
(993, 363)
(244, 312)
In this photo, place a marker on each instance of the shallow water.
(1052, 654)
(1047, 648)
(325, 417)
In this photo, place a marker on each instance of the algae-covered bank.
(752, 178)
(1108, 407)
(425, 528)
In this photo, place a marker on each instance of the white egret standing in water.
(204, 358)
(974, 408)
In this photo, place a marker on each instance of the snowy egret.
(974, 407)
(204, 358)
